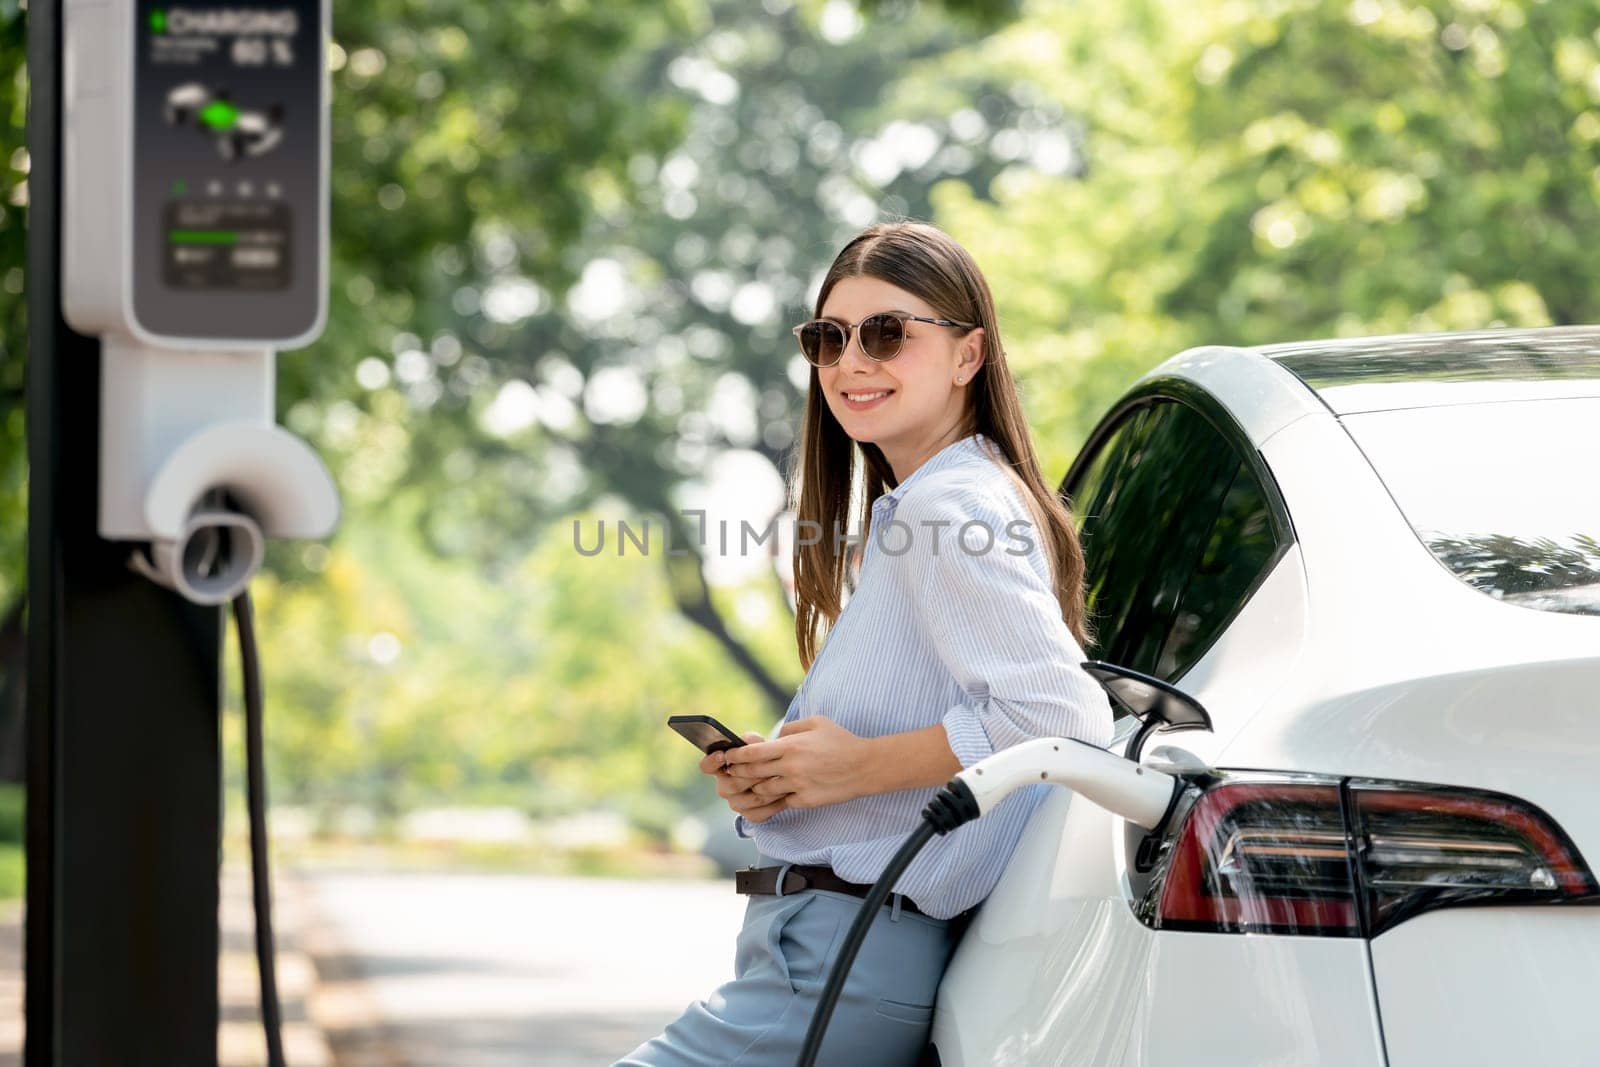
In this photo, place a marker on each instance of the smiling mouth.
(863, 397)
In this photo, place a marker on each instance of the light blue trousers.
(784, 954)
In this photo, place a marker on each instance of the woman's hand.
(737, 791)
(814, 761)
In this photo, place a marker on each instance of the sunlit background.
(569, 242)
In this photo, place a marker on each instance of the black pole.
(124, 700)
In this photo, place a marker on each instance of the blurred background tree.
(1261, 173)
(569, 241)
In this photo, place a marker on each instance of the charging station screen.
(228, 206)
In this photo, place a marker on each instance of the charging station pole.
(124, 705)
(177, 240)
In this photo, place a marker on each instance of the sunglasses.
(823, 341)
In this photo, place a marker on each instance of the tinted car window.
(1503, 494)
(1088, 491)
(1094, 494)
(1239, 549)
(1145, 512)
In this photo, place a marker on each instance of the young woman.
(964, 634)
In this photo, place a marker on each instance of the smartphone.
(705, 733)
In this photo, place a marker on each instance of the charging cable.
(256, 801)
(1140, 794)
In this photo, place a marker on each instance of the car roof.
(1429, 369)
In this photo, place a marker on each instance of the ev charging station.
(178, 237)
(195, 170)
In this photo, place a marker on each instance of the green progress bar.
(203, 237)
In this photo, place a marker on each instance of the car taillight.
(1422, 848)
(1254, 854)
(1262, 857)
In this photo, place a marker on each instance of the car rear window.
(1506, 494)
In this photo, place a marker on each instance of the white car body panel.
(1220, 1000)
(1471, 986)
(1262, 396)
(1056, 970)
(1055, 956)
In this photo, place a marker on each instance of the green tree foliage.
(13, 320)
(472, 143)
(1268, 172)
(396, 678)
(501, 394)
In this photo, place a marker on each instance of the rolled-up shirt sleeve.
(995, 623)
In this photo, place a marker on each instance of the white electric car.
(1375, 563)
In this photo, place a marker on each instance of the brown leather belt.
(796, 877)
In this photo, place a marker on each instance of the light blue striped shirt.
(966, 633)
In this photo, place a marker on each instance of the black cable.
(858, 933)
(256, 801)
(952, 806)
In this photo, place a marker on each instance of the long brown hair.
(924, 260)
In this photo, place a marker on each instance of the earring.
(960, 380)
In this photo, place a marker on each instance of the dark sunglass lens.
(881, 336)
(822, 342)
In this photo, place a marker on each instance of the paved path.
(10, 983)
(239, 1039)
(474, 970)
